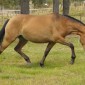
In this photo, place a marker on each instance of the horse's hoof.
(41, 64)
(71, 62)
(29, 63)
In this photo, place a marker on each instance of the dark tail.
(2, 32)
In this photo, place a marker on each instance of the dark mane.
(72, 18)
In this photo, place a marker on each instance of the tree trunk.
(56, 6)
(66, 6)
(24, 6)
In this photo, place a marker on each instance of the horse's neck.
(78, 29)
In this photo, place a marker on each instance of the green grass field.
(57, 70)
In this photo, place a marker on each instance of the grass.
(57, 70)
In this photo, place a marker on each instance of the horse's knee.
(16, 49)
(71, 45)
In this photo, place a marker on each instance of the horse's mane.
(74, 19)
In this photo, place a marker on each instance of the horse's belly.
(39, 41)
(37, 38)
(36, 34)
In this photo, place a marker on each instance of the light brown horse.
(51, 29)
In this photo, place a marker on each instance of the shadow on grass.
(48, 64)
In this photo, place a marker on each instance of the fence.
(76, 10)
(4, 14)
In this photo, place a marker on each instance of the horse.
(51, 28)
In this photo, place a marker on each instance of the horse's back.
(24, 19)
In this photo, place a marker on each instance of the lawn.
(57, 69)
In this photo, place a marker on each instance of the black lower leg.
(73, 54)
(72, 60)
(43, 59)
(27, 59)
(49, 46)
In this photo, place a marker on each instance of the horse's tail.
(2, 31)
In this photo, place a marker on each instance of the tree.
(66, 6)
(24, 6)
(56, 6)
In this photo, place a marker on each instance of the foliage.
(9, 3)
(38, 3)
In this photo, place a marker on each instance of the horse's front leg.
(73, 56)
(49, 47)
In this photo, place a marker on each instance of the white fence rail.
(32, 11)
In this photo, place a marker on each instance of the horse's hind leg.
(7, 40)
(19, 46)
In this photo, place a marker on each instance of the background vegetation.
(37, 3)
